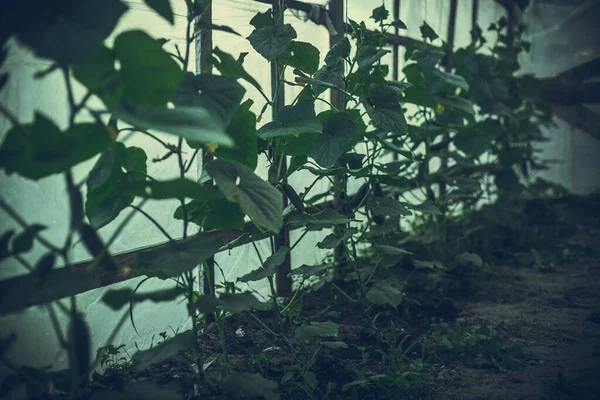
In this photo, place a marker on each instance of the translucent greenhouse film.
(560, 39)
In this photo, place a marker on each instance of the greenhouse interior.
(281, 199)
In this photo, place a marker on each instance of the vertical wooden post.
(451, 34)
(336, 13)
(395, 53)
(449, 65)
(474, 17)
(283, 283)
(395, 48)
(203, 43)
(510, 17)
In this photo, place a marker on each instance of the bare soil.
(552, 309)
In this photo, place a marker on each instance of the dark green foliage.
(478, 111)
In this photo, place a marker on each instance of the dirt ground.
(556, 315)
(551, 307)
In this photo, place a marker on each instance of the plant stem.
(145, 214)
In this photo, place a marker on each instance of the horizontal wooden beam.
(580, 117)
(569, 91)
(80, 277)
(319, 15)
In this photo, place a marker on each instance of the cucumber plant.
(479, 118)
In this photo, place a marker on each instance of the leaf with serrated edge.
(257, 198)
(317, 330)
(169, 348)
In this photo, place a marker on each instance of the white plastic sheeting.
(563, 36)
(45, 201)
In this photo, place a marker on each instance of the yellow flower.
(211, 147)
(439, 109)
(297, 134)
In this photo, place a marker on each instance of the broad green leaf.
(475, 141)
(269, 267)
(163, 351)
(4, 241)
(257, 198)
(391, 250)
(79, 337)
(383, 106)
(192, 123)
(219, 95)
(420, 96)
(260, 20)
(40, 149)
(399, 24)
(292, 120)
(433, 265)
(426, 207)
(469, 258)
(451, 79)
(69, 32)
(297, 146)
(339, 50)
(456, 102)
(231, 302)
(117, 167)
(149, 74)
(386, 292)
(174, 258)
(179, 188)
(328, 76)
(507, 180)
(304, 56)
(385, 206)
(242, 385)
(117, 298)
(427, 32)
(338, 131)
(369, 55)
(100, 77)
(333, 240)
(23, 242)
(271, 41)
(352, 160)
(414, 74)
(229, 66)
(242, 129)
(427, 58)
(163, 8)
(380, 13)
(217, 213)
(323, 219)
(315, 330)
(310, 270)
(96, 247)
